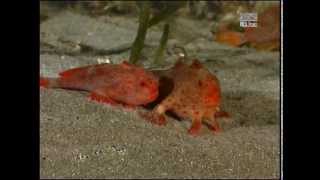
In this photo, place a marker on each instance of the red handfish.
(196, 94)
(114, 84)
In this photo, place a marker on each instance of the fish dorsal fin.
(196, 64)
(179, 63)
(126, 65)
(73, 71)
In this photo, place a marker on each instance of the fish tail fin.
(48, 82)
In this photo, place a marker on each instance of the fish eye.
(143, 84)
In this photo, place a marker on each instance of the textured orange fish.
(196, 94)
(123, 83)
(266, 36)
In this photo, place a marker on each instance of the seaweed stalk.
(163, 42)
(138, 43)
(171, 8)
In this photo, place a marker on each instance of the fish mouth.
(153, 95)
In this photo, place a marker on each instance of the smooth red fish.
(123, 83)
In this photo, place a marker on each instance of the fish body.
(109, 83)
(231, 38)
